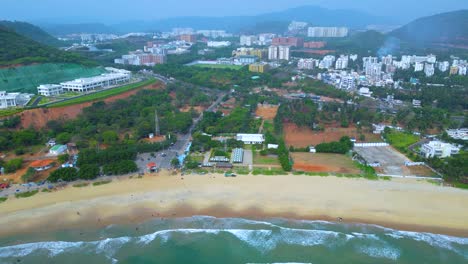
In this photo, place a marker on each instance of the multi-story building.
(307, 64)
(247, 59)
(373, 71)
(348, 83)
(462, 70)
(444, 66)
(214, 33)
(429, 69)
(247, 40)
(288, 41)
(295, 26)
(260, 53)
(102, 81)
(13, 99)
(418, 66)
(453, 70)
(314, 44)
(387, 60)
(327, 32)
(258, 67)
(439, 149)
(265, 39)
(147, 59)
(366, 61)
(191, 38)
(342, 62)
(49, 89)
(461, 133)
(431, 58)
(218, 44)
(279, 53)
(327, 62)
(182, 31)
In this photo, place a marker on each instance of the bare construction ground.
(392, 161)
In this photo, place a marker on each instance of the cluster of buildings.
(439, 149)
(8, 100)
(114, 77)
(327, 32)
(460, 134)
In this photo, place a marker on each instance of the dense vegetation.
(239, 121)
(340, 147)
(16, 49)
(33, 32)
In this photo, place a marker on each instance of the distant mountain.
(268, 22)
(447, 28)
(33, 32)
(16, 49)
(65, 29)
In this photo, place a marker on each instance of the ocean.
(205, 239)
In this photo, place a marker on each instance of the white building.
(431, 58)
(418, 66)
(364, 91)
(214, 33)
(347, 83)
(297, 26)
(251, 138)
(247, 40)
(327, 62)
(13, 99)
(265, 39)
(49, 89)
(307, 64)
(416, 103)
(218, 44)
(462, 70)
(444, 66)
(342, 62)
(327, 32)
(438, 149)
(429, 69)
(102, 81)
(461, 133)
(279, 53)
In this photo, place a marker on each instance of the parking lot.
(392, 162)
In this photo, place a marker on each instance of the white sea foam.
(380, 252)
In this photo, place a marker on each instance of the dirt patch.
(318, 162)
(39, 117)
(267, 112)
(303, 136)
(422, 171)
(198, 109)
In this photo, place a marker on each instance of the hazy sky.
(111, 11)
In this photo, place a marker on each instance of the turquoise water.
(204, 239)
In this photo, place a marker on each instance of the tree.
(175, 162)
(110, 137)
(63, 138)
(64, 174)
(13, 165)
(63, 158)
(88, 172)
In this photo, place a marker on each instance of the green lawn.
(9, 112)
(264, 160)
(103, 94)
(218, 66)
(401, 140)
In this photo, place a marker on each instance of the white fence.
(375, 144)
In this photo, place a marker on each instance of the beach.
(403, 204)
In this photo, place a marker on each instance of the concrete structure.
(102, 81)
(461, 134)
(279, 52)
(57, 150)
(246, 59)
(251, 138)
(364, 91)
(295, 26)
(13, 99)
(315, 44)
(147, 59)
(259, 67)
(307, 64)
(247, 40)
(214, 33)
(49, 89)
(342, 62)
(439, 149)
(444, 66)
(218, 44)
(453, 70)
(416, 103)
(289, 41)
(191, 38)
(327, 32)
(429, 69)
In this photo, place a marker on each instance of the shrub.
(26, 194)
(64, 174)
(28, 175)
(89, 172)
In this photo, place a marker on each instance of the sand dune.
(403, 204)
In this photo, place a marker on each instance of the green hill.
(16, 49)
(27, 78)
(33, 32)
(446, 28)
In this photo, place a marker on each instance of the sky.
(114, 11)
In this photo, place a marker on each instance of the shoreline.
(407, 205)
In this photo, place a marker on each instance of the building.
(57, 150)
(416, 103)
(453, 70)
(461, 134)
(315, 44)
(251, 138)
(418, 66)
(307, 64)
(102, 81)
(444, 66)
(296, 26)
(259, 53)
(259, 67)
(429, 69)
(327, 62)
(41, 165)
(191, 38)
(13, 99)
(348, 83)
(462, 70)
(49, 89)
(147, 59)
(327, 32)
(342, 62)
(364, 91)
(439, 149)
(247, 40)
(279, 52)
(218, 44)
(288, 41)
(247, 59)
(214, 33)
(265, 39)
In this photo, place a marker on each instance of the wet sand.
(403, 204)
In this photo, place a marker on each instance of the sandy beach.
(401, 203)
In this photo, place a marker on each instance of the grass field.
(103, 94)
(218, 66)
(322, 162)
(264, 160)
(401, 140)
(9, 112)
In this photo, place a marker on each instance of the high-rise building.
(295, 26)
(289, 41)
(418, 66)
(429, 69)
(307, 64)
(279, 52)
(462, 70)
(247, 40)
(444, 66)
(327, 32)
(258, 67)
(387, 60)
(191, 38)
(327, 62)
(342, 62)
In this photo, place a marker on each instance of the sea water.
(204, 239)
